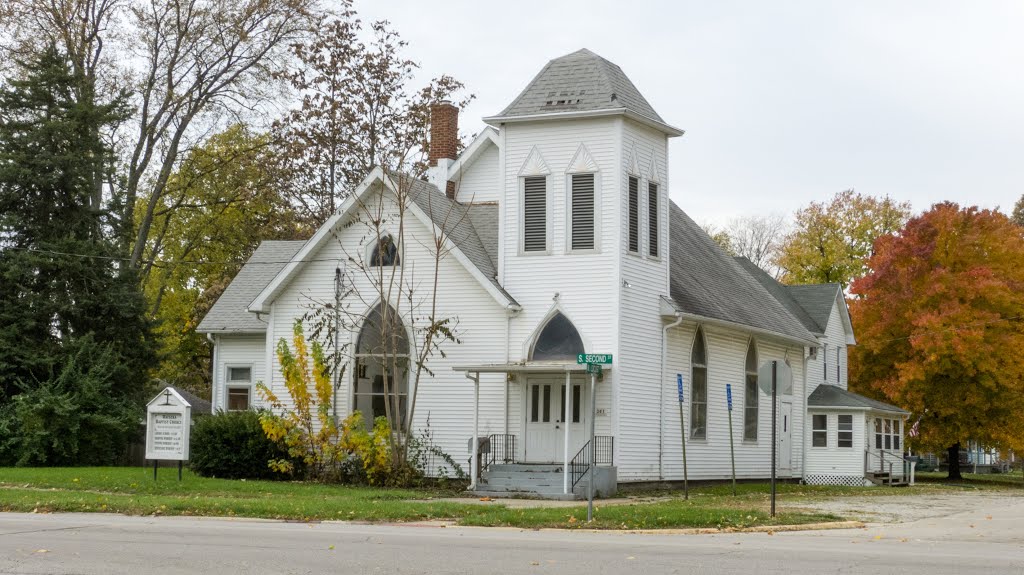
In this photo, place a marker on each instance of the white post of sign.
(593, 447)
(168, 422)
(682, 434)
(775, 368)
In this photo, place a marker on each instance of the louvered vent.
(652, 219)
(583, 211)
(535, 226)
(634, 215)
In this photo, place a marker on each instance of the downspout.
(661, 395)
(213, 374)
(510, 312)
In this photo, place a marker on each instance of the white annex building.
(566, 242)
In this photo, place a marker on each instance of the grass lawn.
(976, 480)
(133, 491)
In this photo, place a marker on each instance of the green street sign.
(594, 368)
(605, 358)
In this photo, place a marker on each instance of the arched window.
(559, 340)
(751, 395)
(385, 253)
(699, 387)
(381, 385)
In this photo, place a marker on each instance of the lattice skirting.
(830, 479)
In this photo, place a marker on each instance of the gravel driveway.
(907, 508)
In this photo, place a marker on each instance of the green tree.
(1018, 212)
(73, 338)
(219, 204)
(939, 327)
(831, 242)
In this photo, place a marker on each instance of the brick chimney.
(444, 142)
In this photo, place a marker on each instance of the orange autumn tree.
(940, 327)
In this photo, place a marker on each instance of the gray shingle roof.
(471, 227)
(833, 396)
(817, 299)
(707, 282)
(228, 314)
(579, 82)
(782, 293)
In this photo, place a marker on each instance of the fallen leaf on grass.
(486, 499)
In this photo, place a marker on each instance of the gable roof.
(228, 314)
(782, 294)
(707, 282)
(433, 208)
(580, 84)
(833, 396)
(817, 299)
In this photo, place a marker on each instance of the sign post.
(732, 451)
(775, 377)
(168, 421)
(682, 435)
(593, 361)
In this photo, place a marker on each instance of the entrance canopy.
(532, 367)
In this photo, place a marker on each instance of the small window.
(845, 428)
(896, 434)
(652, 219)
(535, 214)
(699, 388)
(750, 395)
(824, 362)
(583, 221)
(238, 398)
(239, 374)
(819, 431)
(634, 215)
(878, 433)
(385, 253)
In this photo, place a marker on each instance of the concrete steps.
(526, 480)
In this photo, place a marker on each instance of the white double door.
(546, 418)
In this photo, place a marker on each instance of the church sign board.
(168, 419)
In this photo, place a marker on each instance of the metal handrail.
(501, 449)
(603, 455)
(880, 456)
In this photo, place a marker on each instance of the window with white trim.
(751, 395)
(845, 430)
(582, 228)
(652, 219)
(699, 387)
(381, 383)
(239, 387)
(887, 433)
(385, 253)
(535, 214)
(634, 214)
(819, 430)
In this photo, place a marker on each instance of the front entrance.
(785, 438)
(546, 418)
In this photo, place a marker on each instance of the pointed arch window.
(385, 253)
(751, 395)
(699, 387)
(381, 383)
(558, 340)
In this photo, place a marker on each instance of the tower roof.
(581, 84)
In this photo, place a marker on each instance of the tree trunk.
(953, 459)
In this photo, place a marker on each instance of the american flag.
(914, 428)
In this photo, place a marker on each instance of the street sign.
(679, 384)
(605, 358)
(728, 395)
(783, 378)
(594, 368)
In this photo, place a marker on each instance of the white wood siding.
(238, 351)
(480, 181)
(447, 397)
(640, 326)
(835, 337)
(834, 460)
(726, 356)
(586, 284)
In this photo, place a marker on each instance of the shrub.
(232, 445)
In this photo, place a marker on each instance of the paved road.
(988, 540)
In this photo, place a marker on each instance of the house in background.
(565, 242)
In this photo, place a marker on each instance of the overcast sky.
(783, 102)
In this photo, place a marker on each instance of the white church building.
(559, 238)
